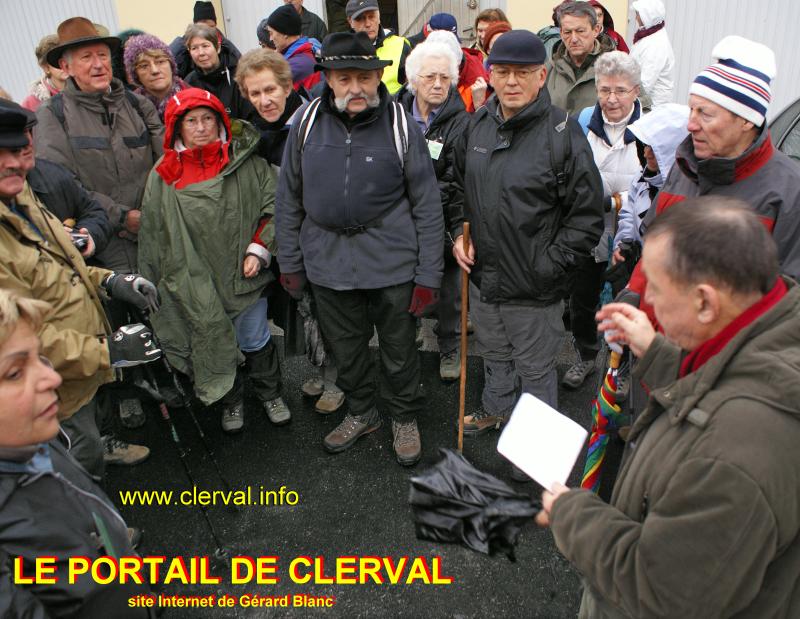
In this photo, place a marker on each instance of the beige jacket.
(49, 268)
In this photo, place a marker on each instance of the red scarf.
(698, 357)
(646, 32)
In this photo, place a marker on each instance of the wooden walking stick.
(462, 386)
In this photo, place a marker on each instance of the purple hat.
(144, 43)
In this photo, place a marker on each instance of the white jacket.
(663, 130)
(654, 54)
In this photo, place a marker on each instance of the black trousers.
(587, 283)
(347, 319)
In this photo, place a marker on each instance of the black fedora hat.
(77, 31)
(348, 50)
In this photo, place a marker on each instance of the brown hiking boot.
(481, 422)
(349, 431)
(407, 444)
(329, 402)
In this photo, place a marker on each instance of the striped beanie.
(739, 80)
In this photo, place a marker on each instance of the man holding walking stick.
(533, 197)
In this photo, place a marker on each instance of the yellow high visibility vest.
(392, 49)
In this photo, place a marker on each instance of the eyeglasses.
(521, 74)
(144, 65)
(430, 78)
(207, 120)
(605, 93)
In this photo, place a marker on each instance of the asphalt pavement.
(350, 504)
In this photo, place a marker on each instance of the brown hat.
(78, 31)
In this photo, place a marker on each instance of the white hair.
(430, 49)
(620, 64)
(449, 39)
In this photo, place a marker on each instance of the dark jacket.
(525, 242)
(312, 26)
(228, 55)
(53, 512)
(704, 520)
(63, 196)
(220, 83)
(350, 175)
(447, 128)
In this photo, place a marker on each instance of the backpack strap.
(559, 150)
(584, 118)
(400, 131)
(307, 121)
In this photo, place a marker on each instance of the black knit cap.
(517, 47)
(204, 10)
(285, 20)
(14, 120)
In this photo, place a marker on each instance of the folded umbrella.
(454, 502)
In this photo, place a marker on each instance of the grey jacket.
(111, 148)
(571, 89)
(349, 174)
(704, 519)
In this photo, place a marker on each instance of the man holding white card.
(704, 520)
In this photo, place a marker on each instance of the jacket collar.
(597, 124)
(717, 171)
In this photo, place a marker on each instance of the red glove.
(423, 301)
(294, 284)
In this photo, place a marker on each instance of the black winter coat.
(526, 244)
(228, 55)
(447, 128)
(221, 84)
(62, 194)
(55, 513)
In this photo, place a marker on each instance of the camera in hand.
(79, 240)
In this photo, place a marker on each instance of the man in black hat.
(110, 139)
(532, 195)
(38, 260)
(365, 16)
(284, 28)
(359, 216)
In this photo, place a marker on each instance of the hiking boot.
(578, 373)
(450, 365)
(233, 417)
(349, 431)
(481, 422)
(277, 411)
(121, 453)
(131, 414)
(313, 387)
(407, 444)
(329, 402)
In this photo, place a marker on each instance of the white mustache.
(341, 102)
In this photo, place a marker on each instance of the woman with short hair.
(431, 97)
(150, 67)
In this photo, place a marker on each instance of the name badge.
(435, 149)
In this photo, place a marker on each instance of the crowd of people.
(167, 209)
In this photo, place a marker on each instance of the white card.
(541, 441)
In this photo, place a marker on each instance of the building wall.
(536, 15)
(164, 19)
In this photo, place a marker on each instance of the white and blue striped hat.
(740, 78)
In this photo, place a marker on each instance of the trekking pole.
(187, 404)
(462, 386)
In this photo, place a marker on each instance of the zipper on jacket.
(348, 151)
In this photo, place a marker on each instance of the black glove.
(134, 289)
(132, 345)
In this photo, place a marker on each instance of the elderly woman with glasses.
(207, 240)
(49, 505)
(151, 69)
(618, 83)
(431, 97)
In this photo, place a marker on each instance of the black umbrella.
(456, 503)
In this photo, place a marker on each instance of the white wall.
(696, 26)
(27, 21)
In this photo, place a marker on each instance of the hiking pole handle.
(462, 386)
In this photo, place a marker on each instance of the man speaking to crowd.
(705, 515)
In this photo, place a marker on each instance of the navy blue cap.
(517, 47)
(443, 21)
(14, 121)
